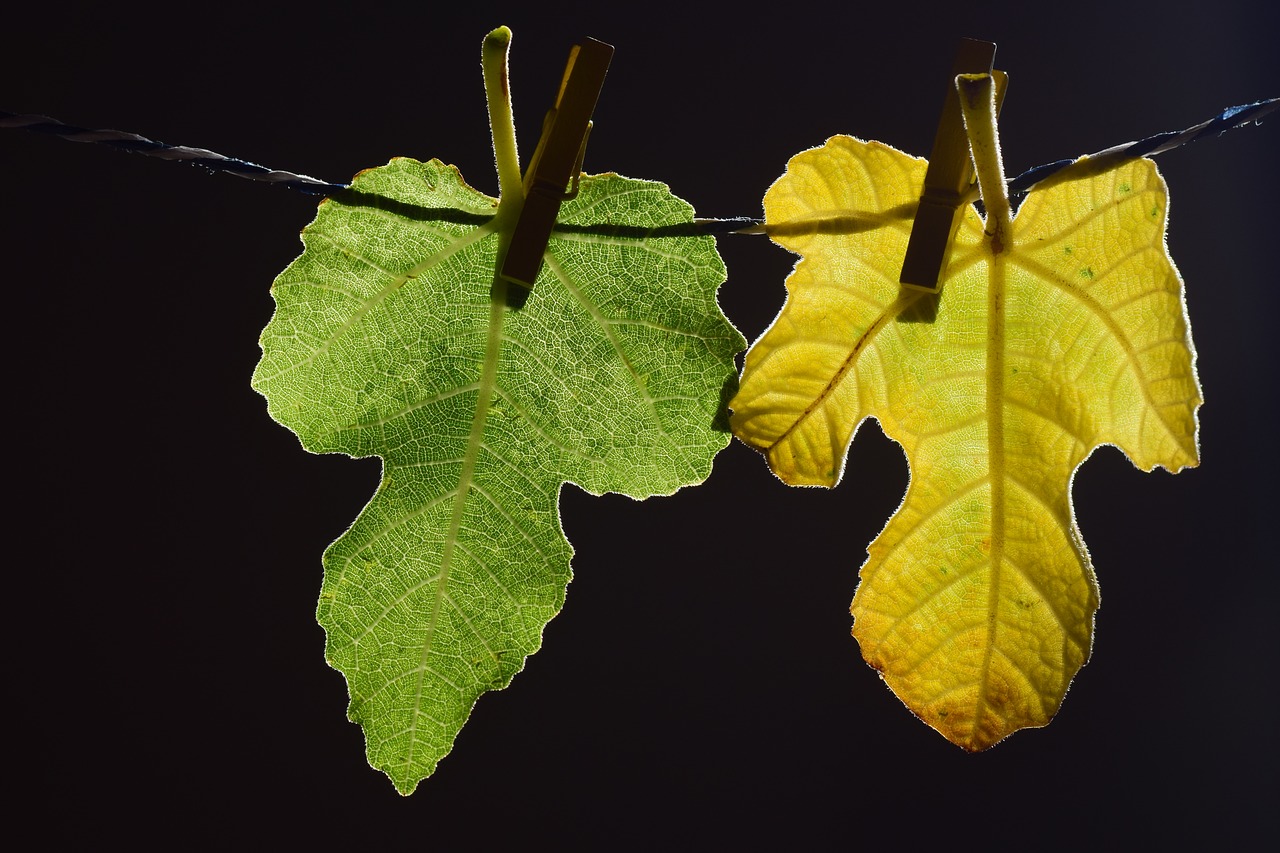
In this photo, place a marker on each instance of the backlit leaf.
(386, 342)
(1065, 332)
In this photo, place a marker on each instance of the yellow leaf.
(1063, 330)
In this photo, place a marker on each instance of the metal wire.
(1059, 171)
(1109, 158)
(136, 144)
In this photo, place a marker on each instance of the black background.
(166, 681)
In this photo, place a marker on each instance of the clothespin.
(950, 174)
(552, 174)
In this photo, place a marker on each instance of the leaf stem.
(497, 92)
(978, 105)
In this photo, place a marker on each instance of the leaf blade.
(386, 342)
(976, 601)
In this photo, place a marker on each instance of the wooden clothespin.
(557, 161)
(950, 174)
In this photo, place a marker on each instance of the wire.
(135, 144)
(1060, 170)
(1064, 170)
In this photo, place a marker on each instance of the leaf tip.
(499, 39)
(404, 785)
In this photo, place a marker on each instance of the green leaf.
(386, 341)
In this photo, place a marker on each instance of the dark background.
(165, 679)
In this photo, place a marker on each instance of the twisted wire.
(135, 144)
(1055, 172)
